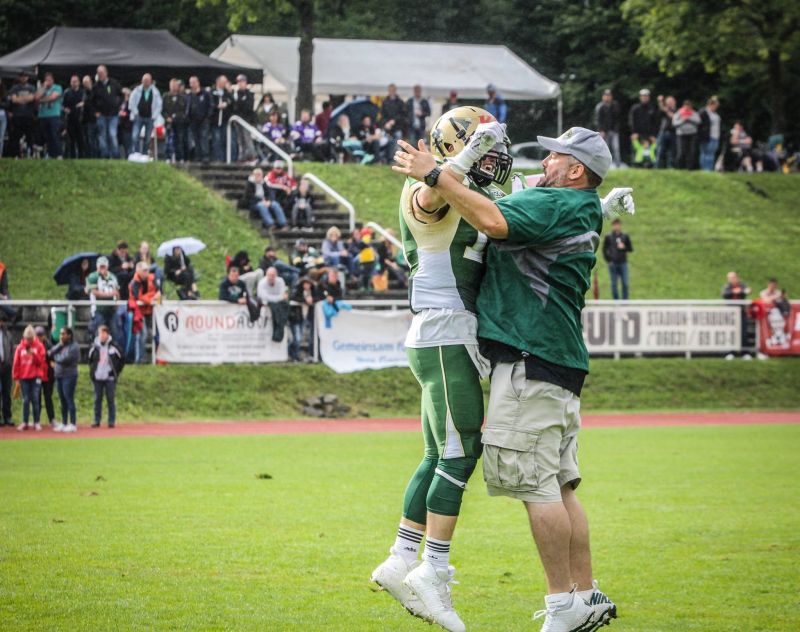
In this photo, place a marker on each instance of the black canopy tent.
(128, 54)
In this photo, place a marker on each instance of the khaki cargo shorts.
(531, 438)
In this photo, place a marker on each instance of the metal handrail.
(335, 195)
(386, 234)
(254, 133)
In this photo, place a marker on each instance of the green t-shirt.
(53, 108)
(533, 291)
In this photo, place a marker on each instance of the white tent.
(366, 67)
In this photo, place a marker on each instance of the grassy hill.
(49, 210)
(689, 230)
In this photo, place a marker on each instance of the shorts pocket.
(509, 459)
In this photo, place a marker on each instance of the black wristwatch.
(433, 176)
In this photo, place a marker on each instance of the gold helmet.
(451, 133)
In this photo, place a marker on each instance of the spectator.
(606, 119)
(198, 115)
(370, 138)
(48, 376)
(281, 188)
(304, 258)
(644, 153)
(287, 272)
(11, 313)
(178, 269)
(125, 126)
(232, 290)
(174, 112)
(73, 103)
(387, 258)
(144, 292)
(778, 309)
(145, 106)
(29, 370)
(301, 318)
(741, 148)
(106, 102)
(394, 114)
(643, 118)
(106, 361)
(334, 251)
(221, 107)
(616, 247)
(256, 196)
(451, 103)
(709, 134)
(247, 274)
(101, 286)
(323, 119)
(89, 120)
(122, 266)
(21, 115)
(49, 99)
(354, 246)
(686, 121)
(302, 209)
(77, 282)
(144, 254)
(307, 138)
(6, 379)
(495, 104)
(418, 110)
(242, 102)
(3, 119)
(331, 288)
(276, 132)
(666, 133)
(272, 292)
(266, 106)
(65, 355)
(366, 260)
(735, 289)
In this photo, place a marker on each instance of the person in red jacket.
(29, 369)
(143, 293)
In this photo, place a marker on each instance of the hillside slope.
(689, 229)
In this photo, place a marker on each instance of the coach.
(543, 243)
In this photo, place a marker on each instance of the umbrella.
(190, 246)
(355, 111)
(72, 265)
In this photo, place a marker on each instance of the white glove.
(486, 136)
(618, 202)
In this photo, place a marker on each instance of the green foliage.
(691, 530)
(49, 210)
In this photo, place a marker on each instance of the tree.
(741, 39)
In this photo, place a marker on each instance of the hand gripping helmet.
(451, 133)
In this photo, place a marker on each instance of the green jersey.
(446, 257)
(533, 292)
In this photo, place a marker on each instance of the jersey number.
(475, 251)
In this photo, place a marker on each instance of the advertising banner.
(662, 329)
(779, 329)
(363, 339)
(215, 334)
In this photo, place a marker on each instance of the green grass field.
(172, 393)
(694, 529)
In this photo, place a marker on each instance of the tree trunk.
(776, 92)
(305, 94)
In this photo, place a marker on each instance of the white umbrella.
(190, 246)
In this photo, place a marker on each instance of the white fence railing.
(256, 135)
(351, 211)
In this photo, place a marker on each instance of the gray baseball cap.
(102, 261)
(585, 145)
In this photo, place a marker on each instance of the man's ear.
(576, 171)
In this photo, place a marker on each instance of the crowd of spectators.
(663, 135)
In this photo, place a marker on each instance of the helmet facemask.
(495, 166)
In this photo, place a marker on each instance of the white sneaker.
(577, 616)
(432, 586)
(71, 428)
(22, 427)
(390, 576)
(59, 427)
(602, 605)
(37, 427)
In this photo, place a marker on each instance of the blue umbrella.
(72, 265)
(356, 110)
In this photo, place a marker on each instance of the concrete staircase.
(229, 181)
